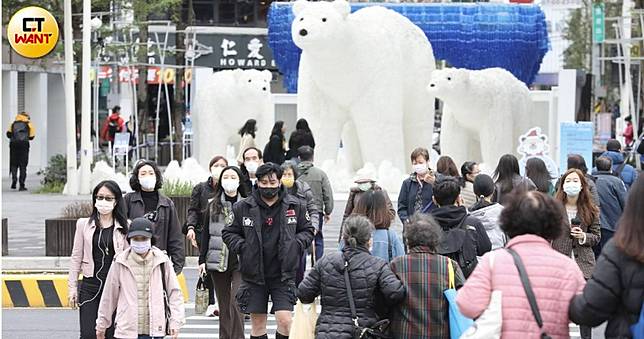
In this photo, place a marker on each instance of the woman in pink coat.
(531, 220)
(143, 290)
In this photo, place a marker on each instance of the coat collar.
(527, 238)
(421, 249)
(158, 257)
(92, 224)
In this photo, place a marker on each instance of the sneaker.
(212, 311)
(22, 188)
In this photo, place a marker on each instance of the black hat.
(613, 145)
(483, 185)
(140, 226)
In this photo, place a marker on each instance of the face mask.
(288, 182)
(365, 186)
(251, 166)
(104, 207)
(141, 247)
(420, 169)
(148, 182)
(572, 188)
(215, 171)
(269, 192)
(230, 185)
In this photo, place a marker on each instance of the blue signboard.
(576, 138)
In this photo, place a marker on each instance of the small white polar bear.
(363, 73)
(223, 102)
(484, 113)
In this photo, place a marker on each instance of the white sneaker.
(212, 311)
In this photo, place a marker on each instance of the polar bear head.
(253, 83)
(448, 82)
(320, 23)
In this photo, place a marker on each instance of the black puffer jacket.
(614, 293)
(371, 279)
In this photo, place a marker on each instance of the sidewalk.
(26, 213)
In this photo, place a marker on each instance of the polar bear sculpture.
(484, 112)
(223, 102)
(368, 69)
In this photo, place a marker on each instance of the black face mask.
(268, 192)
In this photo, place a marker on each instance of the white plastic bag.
(304, 321)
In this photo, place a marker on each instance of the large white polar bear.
(223, 102)
(484, 113)
(366, 70)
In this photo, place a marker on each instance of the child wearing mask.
(142, 286)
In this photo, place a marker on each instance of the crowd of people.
(578, 239)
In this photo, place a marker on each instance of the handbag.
(304, 321)
(458, 323)
(201, 296)
(377, 330)
(525, 281)
(488, 324)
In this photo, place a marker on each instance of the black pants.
(89, 297)
(18, 159)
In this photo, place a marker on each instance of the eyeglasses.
(102, 197)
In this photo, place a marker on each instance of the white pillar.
(566, 94)
(626, 90)
(87, 153)
(70, 109)
(9, 111)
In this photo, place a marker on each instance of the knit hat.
(613, 145)
(483, 185)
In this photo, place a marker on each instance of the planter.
(5, 236)
(181, 205)
(59, 237)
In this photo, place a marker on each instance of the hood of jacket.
(617, 157)
(489, 216)
(449, 216)
(304, 167)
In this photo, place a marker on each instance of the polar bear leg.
(455, 139)
(418, 121)
(497, 138)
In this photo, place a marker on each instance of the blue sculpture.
(472, 35)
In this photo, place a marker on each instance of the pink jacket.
(555, 279)
(82, 259)
(121, 294)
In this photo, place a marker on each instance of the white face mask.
(215, 171)
(572, 189)
(251, 166)
(230, 185)
(365, 186)
(420, 168)
(148, 182)
(104, 206)
(141, 247)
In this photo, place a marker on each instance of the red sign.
(124, 74)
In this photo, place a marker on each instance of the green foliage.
(176, 188)
(55, 174)
(53, 187)
(579, 33)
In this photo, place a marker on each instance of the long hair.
(536, 170)
(215, 203)
(373, 205)
(446, 166)
(630, 229)
(250, 127)
(505, 171)
(119, 207)
(303, 125)
(277, 130)
(586, 208)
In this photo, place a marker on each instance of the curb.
(45, 290)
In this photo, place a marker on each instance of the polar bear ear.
(267, 75)
(342, 6)
(298, 6)
(237, 73)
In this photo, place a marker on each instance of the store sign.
(236, 51)
(158, 76)
(598, 23)
(126, 76)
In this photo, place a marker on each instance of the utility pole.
(70, 109)
(87, 154)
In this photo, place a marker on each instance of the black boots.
(13, 184)
(265, 336)
(280, 336)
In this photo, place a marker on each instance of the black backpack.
(112, 127)
(20, 131)
(459, 244)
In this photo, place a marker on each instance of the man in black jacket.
(270, 231)
(612, 198)
(464, 237)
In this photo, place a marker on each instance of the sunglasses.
(102, 197)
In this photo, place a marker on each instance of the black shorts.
(253, 298)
